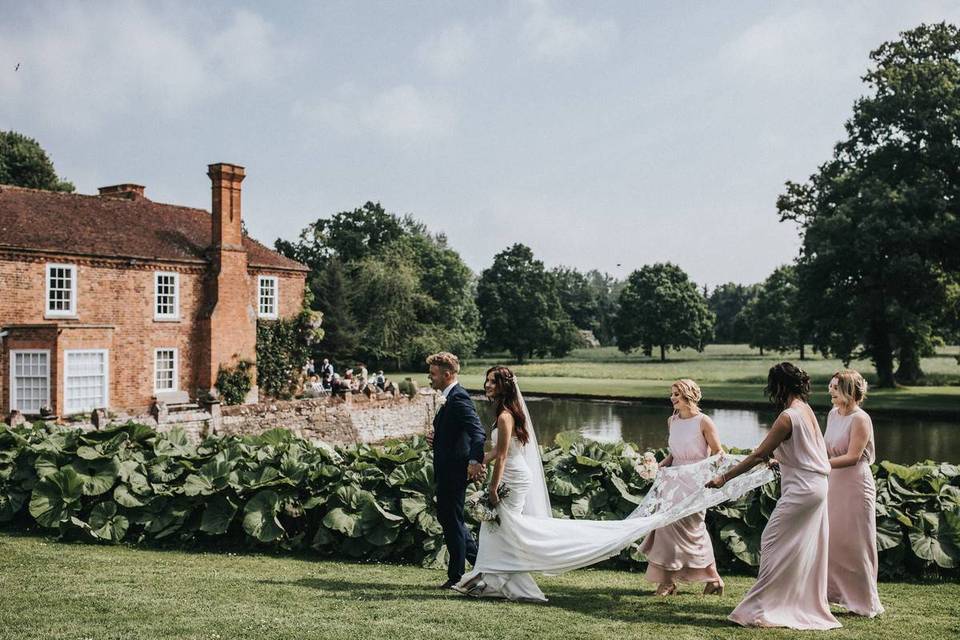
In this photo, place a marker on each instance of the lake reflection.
(905, 440)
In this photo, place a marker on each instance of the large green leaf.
(260, 517)
(743, 541)
(125, 498)
(346, 523)
(106, 523)
(174, 443)
(98, 475)
(939, 539)
(218, 515)
(11, 501)
(889, 534)
(56, 497)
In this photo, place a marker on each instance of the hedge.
(130, 483)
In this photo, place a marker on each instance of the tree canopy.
(520, 308)
(879, 219)
(24, 163)
(660, 306)
(389, 290)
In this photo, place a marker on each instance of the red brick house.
(107, 301)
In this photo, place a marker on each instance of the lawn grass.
(55, 590)
(728, 375)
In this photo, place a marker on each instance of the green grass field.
(51, 590)
(730, 374)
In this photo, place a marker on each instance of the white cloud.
(83, 66)
(552, 35)
(397, 112)
(447, 53)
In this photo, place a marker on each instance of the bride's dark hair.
(506, 398)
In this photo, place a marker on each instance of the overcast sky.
(600, 134)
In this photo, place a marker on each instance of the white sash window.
(29, 380)
(86, 380)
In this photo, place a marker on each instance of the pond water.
(900, 439)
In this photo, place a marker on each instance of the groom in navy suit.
(457, 440)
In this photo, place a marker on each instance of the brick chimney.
(226, 179)
(126, 191)
(231, 321)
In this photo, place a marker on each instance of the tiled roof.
(114, 227)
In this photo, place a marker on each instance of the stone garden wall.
(336, 420)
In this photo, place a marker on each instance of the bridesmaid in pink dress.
(791, 588)
(852, 573)
(682, 551)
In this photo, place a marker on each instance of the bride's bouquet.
(480, 508)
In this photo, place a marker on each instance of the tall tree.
(606, 290)
(369, 244)
(879, 219)
(520, 308)
(661, 307)
(24, 163)
(331, 296)
(772, 316)
(577, 297)
(727, 302)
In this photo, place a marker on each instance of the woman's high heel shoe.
(713, 589)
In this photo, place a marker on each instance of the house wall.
(117, 298)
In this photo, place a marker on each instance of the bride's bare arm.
(504, 433)
(779, 432)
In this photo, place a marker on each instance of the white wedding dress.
(528, 537)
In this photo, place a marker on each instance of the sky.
(603, 135)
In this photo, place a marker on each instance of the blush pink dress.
(682, 551)
(852, 569)
(791, 589)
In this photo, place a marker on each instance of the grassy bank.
(54, 590)
(728, 375)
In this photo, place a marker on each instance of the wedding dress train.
(529, 539)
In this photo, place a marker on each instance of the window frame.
(156, 296)
(13, 379)
(66, 379)
(276, 297)
(60, 313)
(176, 369)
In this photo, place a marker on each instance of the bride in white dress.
(528, 538)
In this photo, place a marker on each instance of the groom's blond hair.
(445, 360)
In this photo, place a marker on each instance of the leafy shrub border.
(277, 491)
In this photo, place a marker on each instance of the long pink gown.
(682, 551)
(791, 589)
(852, 569)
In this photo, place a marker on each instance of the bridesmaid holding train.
(852, 572)
(791, 588)
(682, 551)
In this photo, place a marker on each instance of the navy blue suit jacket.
(458, 435)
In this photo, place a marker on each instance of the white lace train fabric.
(524, 542)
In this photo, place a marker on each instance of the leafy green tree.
(879, 219)
(577, 297)
(606, 291)
(772, 316)
(353, 246)
(520, 309)
(332, 298)
(727, 302)
(24, 163)
(660, 306)
(387, 287)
